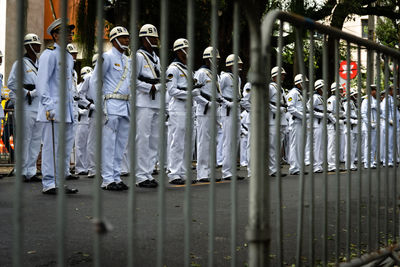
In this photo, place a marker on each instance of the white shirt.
(295, 105)
(273, 103)
(177, 75)
(364, 113)
(204, 77)
(227, 87)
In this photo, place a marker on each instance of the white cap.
(57, 24)
(373, 86)
(118, 31)
(334, 87)
(208, 53)
(230, 60)
(148, 30)
(319, 84)
(94, 59)
(299, 79)
(32, 38)
(274, 71)
(72, 49)
(353, 92)
(86, 70)
(180, 43)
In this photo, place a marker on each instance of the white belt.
(117, 96)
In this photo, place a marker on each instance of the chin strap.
(152, 45)
(123, 47)
(36, 54)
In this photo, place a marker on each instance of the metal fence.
(378, 189)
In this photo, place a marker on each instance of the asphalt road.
(39, 216)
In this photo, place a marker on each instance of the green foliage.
(387, 33)
(86, 29)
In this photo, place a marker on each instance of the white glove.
(373, 125)
(391, 122)
(50, 115)
(91, 106)
(33, 93)
(229, 104)
(195, 92)
(83, 111)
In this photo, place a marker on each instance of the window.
(364, 28)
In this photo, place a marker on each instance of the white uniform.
(318, 107)
(246, 104)
(69, 146)
(32, 129)
(244, 136)
(147, 112)
(177, 74)
(353, 134)
(48, 84)
(295, 108)
(331, 129)
(390, 109)
(203, 114)
(116, 89)
(369, 159)
(273, 138)
(227, 87)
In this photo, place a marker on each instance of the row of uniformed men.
(293, 114)
(42, 86)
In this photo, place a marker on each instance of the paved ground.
(39, 215)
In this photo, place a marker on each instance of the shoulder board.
(52, 47)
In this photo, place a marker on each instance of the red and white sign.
(343, 70)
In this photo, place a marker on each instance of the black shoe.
(318, 171)
(83, 173)
(226, 178)
(155, 172)
(218, 179)
(204, 180)
(72, 177)
(35, 179)
(146, 184)
(112, 187)
(272, 175)
(24, 179)
(51, 191)
(154, 183)
(295, 173)
(124, 174)
(91, 175)
(70, 190)
(178, 181)
(123, 186)
(194, 181)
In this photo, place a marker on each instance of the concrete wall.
(34, 24)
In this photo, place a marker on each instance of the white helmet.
(230, 60)
(148, 30)
(72, 49)
(86, 70)
(181, 43)
(299, 78)
(32, 38)
(319, 84)
(94, 59)
(353, 92)
(118, 31)
(334, 87)
(208, 53)
(274, 71)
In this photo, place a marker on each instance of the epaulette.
(52, 47)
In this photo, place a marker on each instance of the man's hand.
(50, 115)
(33, 93)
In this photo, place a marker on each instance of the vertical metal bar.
(213, 132)
(132, 138)
(378, 150)
(386, 85)
(325, 154)
(188, 141)
(235, 129)
(359, 151)
(279, 222)
(348, 157)
(311, 121)
(395, 151)
(97, 195)
(368, 159)
(17, 209)
(337, 154)
(61, 208)
(162, 185)
(299, 241)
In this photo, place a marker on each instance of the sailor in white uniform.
(387, 112)
(369, 160)
(48, 84)
(353, 130)
(32, 129)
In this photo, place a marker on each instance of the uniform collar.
(115, 51)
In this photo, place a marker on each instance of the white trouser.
(69, 146)
(227, 153)
(295, 157)
(342, 143)
(168, 149)
(114, 142)
(147, 141)
(203, 146)
(243, 150)
(178, 132)
(389, 145)
(369, 159)
(353, 148)
(125, 168)
(273, 139)
(47, 153)
(220, 144)
(81, 140)
(248, 152)
(307, 149)
(318, 151)
(331, 147)
(31, 144)
(91, 145)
